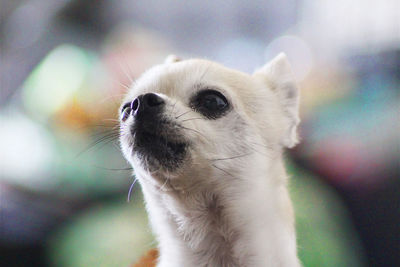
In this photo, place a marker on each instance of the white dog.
(206, 144)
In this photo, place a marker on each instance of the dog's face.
(182, 117)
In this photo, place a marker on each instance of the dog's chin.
(158, 153)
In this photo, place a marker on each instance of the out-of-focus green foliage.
(109, 235)
(116, 234)
(56, 80)
(324, 231)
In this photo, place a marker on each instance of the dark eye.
(126, 111)
(210, 103)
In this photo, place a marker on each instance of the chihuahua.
(206, 143)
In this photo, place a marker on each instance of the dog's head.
(194, 115)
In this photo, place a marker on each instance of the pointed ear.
(277, 74)
(171, 59)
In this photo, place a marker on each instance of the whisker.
(117, 145)
(183, 114)
(108, 127)
(262, 145)
(195, 131)
(173, 106)
(205, 72)
(122, 68)
(192, 119)
(234, 157)
(130, 190)
(114, 169)
(124, 85)
(113, 120)
(112, 97)
(104, 125)
(90, 126)
(105, 133)
(164, 184)
(224, 171)
(107, 139)
(252, 148)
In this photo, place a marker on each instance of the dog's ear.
(277, 74)
(171, 59)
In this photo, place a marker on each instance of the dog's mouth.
(159, 145)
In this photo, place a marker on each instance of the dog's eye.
(125, 111)
(210, 103)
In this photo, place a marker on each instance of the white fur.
(215, 211)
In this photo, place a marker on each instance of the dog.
(206, 144)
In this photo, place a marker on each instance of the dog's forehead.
(182, 79)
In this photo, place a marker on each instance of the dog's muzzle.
(157, 141)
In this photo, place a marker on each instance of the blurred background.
(64, 66)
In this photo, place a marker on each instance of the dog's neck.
(246, 222)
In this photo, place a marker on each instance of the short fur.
(226, 203)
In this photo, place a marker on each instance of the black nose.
(147, 103)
